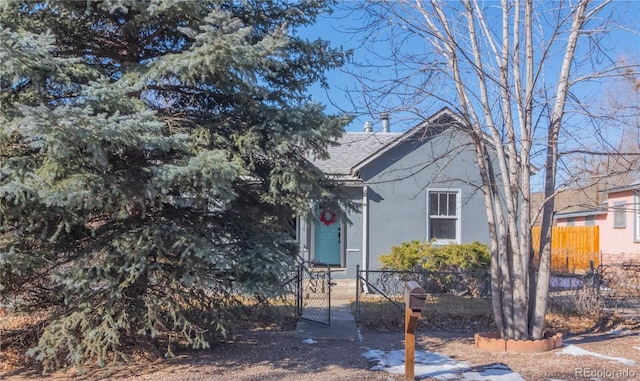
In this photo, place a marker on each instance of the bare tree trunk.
(544, 271)
(513, 263)
(490, 197)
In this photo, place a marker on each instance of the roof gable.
(354, 150)
(435, 124)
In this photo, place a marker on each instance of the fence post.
(299, 289)
(601, 258)
(566, 260)
(358, 293)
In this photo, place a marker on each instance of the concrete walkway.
(342, 327)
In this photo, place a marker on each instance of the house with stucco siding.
(618, 219)
(422, 184)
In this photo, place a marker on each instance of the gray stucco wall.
(398, 182)
(397, 186)
(353, 236)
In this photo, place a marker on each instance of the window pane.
(442, 201)
(637, 224)
(452, 204)
(433, 204)
(638, 220)
(619, 217)
(442, 228)
(590, 221)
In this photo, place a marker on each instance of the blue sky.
(334, 28)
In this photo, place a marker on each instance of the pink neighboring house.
(619, 222)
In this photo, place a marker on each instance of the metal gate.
(314, 292)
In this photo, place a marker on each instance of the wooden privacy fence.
(572, 247)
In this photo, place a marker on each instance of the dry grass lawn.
(273, 353)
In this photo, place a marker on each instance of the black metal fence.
(603, 289)
(389, 285)
(609, 288)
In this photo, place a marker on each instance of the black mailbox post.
(415, 300)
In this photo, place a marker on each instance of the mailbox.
(414, 296)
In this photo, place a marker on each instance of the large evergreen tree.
(152, 154)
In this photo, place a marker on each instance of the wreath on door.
(328, 216)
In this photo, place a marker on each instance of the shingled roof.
(633, 186)
(357, 149)
(352, 149)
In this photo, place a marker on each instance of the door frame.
(312, 239)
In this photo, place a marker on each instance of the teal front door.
(326, 244)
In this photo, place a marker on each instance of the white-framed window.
(619, 215)
(443, 215)
(636, 210)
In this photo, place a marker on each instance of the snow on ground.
(620, 332)
(440, 367)
(565, 283)
(574, 350)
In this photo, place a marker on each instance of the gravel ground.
(263, 355)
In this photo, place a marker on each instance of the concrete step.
(340, 289)
(344, 282)
(334, 295)
(343, 289)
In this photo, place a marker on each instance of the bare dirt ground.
(277, 355)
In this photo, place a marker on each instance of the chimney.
(368, 126)
(385, 122)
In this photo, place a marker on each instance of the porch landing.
(342, 327)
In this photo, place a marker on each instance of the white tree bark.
(555, 123)
(498, 76)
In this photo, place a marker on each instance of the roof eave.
(635, 186)
(582, 213)
(401, 138)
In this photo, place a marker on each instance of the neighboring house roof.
(355, 150)
(580, 202)
(633, 186)
(584, 213)
(568, 202)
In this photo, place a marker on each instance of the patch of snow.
(565, 283)
(492, 372)
(638, 348)
(309, 341)
(439, 367)
(621, 332)
(360, 337)
(577, 351)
